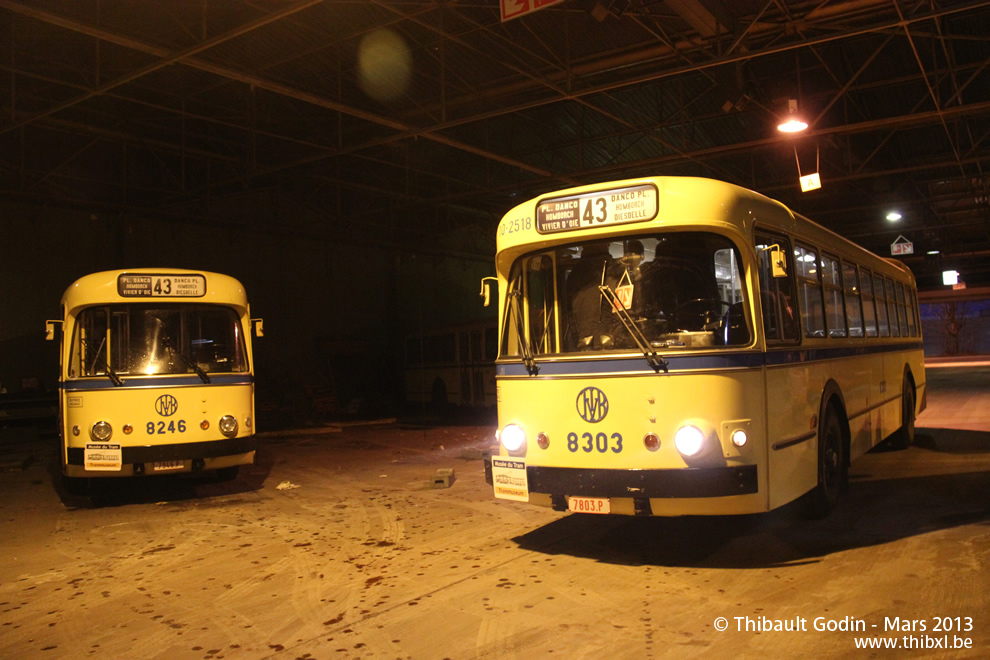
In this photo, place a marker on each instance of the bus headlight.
(739, 437)
(101, 431)
(512, 437)
(689, 440)
(228, 425)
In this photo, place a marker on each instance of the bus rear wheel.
(832, 472)
(904, 436)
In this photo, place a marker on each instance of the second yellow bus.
(156, 375)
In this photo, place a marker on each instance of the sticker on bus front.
(102, 457)
(509, 478)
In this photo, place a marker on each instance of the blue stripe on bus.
(675, 363)
(143, 381)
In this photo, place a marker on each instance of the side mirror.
(486, 292)
(259, 327)
(778, 261)
(50, 329)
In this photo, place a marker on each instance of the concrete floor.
(359, 556)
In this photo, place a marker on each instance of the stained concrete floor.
(358, 555)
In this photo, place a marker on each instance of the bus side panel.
(872, 411)
(158, 416)
(793, 394)
(859, 381)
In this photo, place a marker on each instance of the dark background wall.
(336, 312)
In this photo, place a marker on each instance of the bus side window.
(906, 329)
(812, 308)
(869, 309)
(850, 284)
(895, 328)
(881, 299)
(835, 311)
(776, 294)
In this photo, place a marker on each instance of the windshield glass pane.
(680, 290)
(156, 339)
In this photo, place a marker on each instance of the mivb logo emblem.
(592, 404)
(166, 405)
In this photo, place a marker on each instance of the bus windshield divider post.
(102, 362)
(527, 352)
(656, 361)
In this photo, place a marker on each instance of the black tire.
(228, 473)
(76, 486)
(904, 436)
(832, 471)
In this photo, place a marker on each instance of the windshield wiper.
(102, 362)
(655, 360)
(167, 343)
(527, 353)
(185, 360)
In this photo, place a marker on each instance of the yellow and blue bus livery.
(683, 346)
(156, 374)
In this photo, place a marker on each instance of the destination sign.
(597, 209)
(153, 285)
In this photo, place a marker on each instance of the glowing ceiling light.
(793, 123)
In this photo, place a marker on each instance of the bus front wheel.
(76, 485)
(228, 473)
(820, 500)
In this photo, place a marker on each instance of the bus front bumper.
(168, 458)
(641, 484)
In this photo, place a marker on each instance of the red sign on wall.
(901, 245)
(516, 8)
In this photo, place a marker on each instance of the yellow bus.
(683, 346)
(156, 375)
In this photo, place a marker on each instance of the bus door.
(790, 438)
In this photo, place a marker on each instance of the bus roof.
(172, 285)
(679, 202)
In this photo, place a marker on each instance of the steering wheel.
(700, 312)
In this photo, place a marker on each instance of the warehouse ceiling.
(419, 122)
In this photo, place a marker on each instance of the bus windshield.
(154, 339)
(678, 289)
